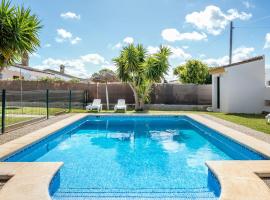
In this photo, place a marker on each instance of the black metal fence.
(23, 107)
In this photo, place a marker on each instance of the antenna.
(231, 42)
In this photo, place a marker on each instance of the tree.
(105, 76)
(193, 71)
(18, 33)
(141, 71)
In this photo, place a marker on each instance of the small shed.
(239, 87)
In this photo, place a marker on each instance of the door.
(218, 92)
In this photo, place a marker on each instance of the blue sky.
(86, 34)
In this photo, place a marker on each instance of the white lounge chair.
(268, 118)
(121, 105)
(96, 105)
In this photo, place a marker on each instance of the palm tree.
(18, 33)
(141, 71)
(105, 76)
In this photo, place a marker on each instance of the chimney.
(62, 69)
(25, 59)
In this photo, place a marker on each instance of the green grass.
(14, 120)
(256, 122)
(33, 110)
(26, 111)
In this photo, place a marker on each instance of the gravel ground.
(6, 137)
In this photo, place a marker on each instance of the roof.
(61, 74)
(221, 69)
(30, 69)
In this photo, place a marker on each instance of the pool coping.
(238, 179)
(28, 181)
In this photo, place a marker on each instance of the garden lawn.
(256, 122)
(13, 120)
(33, 110)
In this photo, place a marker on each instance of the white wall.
(242, 88)
(267, 76)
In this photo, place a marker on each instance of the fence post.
(85, 98)
(69, 105)
(3, 110)
(47, 103)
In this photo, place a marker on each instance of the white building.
(23, 72)
(19, 71)
(267, 76)
(62, 75)
(240, 87)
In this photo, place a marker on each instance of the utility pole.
(231, 42)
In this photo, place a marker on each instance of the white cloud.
(177, 52)
(213, 20)
(128, 40)
(62, 33)
(70, 15)
(239, 54)
(64, 36)
(217, 61)
(267, 41)
(234, 14)
(95, 59)
(47, 45)
(76, 40)
(185, 47)
(202, 55)
(35, 55)
(109, 66)
(118, 45)
(77, 67)
(242, 53)
(248, 5)
(152, 49)
(173, 35)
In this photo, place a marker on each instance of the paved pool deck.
(240, 180)
(22, 131)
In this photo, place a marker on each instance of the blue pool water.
(135, 157)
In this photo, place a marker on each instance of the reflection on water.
(131, 153)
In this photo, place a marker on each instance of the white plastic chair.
(96, 105)
(121, 105)
(268, 118)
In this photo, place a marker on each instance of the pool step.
(127, 194)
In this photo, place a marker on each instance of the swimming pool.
(135, 157)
